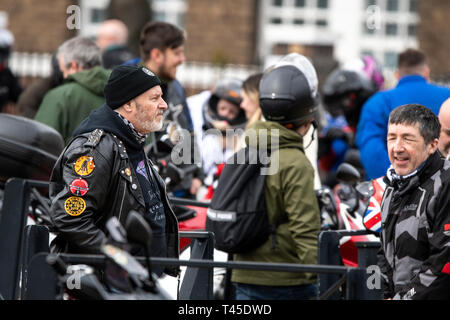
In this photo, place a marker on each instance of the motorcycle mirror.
(116, 231)
(348, 174)
(138, 229)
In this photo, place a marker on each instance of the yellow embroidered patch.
(84, 165)
(75, 206)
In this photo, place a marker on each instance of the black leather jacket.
(113, 190)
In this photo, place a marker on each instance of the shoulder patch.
(84, 165)
(79, 187)
(74, 206)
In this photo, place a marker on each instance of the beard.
(151, 125)
(166, 73)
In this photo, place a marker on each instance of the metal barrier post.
(367, 258)
(36, 240)
(198, 282)
(41, 279)
(12, 223)
(328, 254)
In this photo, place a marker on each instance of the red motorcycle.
(352, 205)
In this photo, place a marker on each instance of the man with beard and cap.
(104, 171)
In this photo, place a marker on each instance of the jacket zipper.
(123, 198)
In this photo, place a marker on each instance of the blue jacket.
(371, 133)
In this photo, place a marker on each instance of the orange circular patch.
(84, 165)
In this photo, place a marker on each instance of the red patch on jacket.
(446, 268)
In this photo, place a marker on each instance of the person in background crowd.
(413, 87)
(288, 100)
(345, 91)
(250, 103)
(444, 138)
(31, 97)
(162, 51)
(415, 220)
(250, 98)
(222, 117)
(10, 88)
(104, 171)
(310, 140)
(112, 39)
(65, 106)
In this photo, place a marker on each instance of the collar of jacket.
(107, 119)
(432, 164)
(93, 79)
(410, 78)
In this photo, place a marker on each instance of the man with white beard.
(104, 171)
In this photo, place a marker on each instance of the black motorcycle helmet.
(288, 92)
(344, 93)
(228, 89)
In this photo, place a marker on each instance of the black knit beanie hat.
(127, 82)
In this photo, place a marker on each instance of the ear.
(432, 146)
(156, 55)
(74, 66)
(426, 73)
(128, 107)
(303, 130)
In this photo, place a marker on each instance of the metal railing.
(24, 273)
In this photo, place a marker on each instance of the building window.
(392, 5)
(322, 4)
(391, 29)
(412, 30)
(275, 21)
(299, 21)
(390, 59)
(277, 3)
(98, 15)
(300, 3)
(321, 23)
(160, 16)
(367, 53)
(413, 6)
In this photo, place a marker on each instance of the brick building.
(222, 32)
(37, 25)
(225, 37)
(434, 35)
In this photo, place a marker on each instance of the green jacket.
(67, 105)
(289, 194)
